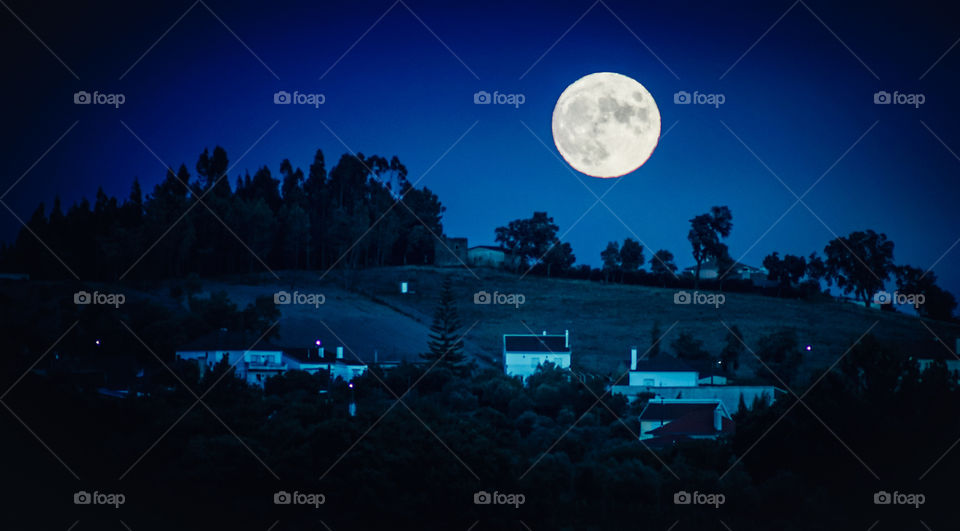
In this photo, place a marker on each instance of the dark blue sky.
(799, 99)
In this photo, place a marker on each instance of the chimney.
(566, 339)
(633, 358)
(339, 353)
(717, 419)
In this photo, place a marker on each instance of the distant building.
(254, 361)
(490, 256)
(313, 360)
(709, 270)
(667, 377)
(523, 353)
(662, 371)
(665, 421)
(450, 251)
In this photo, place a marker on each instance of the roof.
(312, 355)
(699, 422)
(664, 363)
(676, 410)
(230, 340)
(489, 248)
(535, 343)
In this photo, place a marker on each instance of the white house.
(312, 360)
(253, 361)
(662, 371)
(709, 270)
(489, 256)
(669, 420)
(523, 353)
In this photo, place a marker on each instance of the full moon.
(606, 125)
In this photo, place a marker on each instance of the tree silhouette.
(704, 236)
(445, 347)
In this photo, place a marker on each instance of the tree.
(445, 344)
(786, 271)
(528, 239)
(631, 256)
(859, 263)
(689, 348)
(611, 260)
(780, 353)
(655, 334)
(662, 265)
(937, 303)
(704, 236)
(560, 257)
(732, 348)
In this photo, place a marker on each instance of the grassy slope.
(605, 320)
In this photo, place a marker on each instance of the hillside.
(605, 320)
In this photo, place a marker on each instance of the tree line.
(362, 212)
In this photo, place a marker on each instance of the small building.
(313, 360)
(662, 371)
(523, 353)
(709, 270)
(253, 360)
(665, 421)
(490, 256)
(450, 251)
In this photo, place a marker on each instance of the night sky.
(798, 103)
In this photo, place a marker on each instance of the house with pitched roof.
(523, 353)
(665, 421)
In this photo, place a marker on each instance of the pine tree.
(446, 345)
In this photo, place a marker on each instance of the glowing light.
(350, 385)
(809, 348)
(318, 342)
(97, 342)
